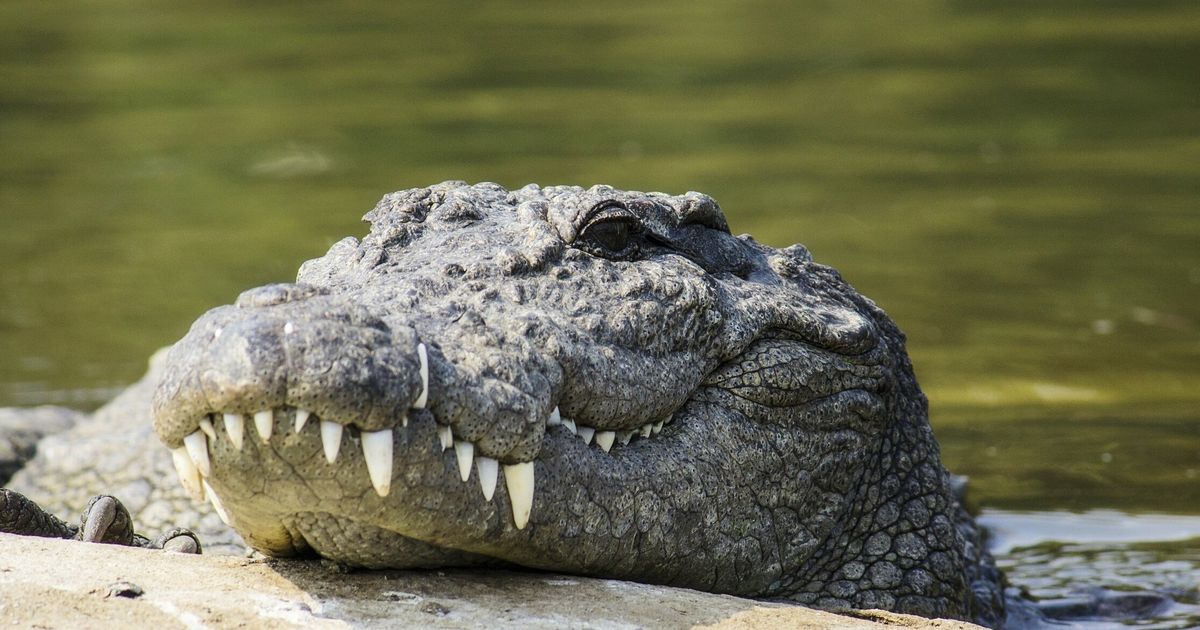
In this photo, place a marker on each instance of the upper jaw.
(215, 398)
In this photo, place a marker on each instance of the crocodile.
(591, 381)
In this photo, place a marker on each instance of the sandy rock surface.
(48, 583)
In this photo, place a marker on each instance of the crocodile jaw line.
(194, 466)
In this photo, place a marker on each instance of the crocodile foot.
(104, 520)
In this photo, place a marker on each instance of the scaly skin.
(795, 459)
(630, 391)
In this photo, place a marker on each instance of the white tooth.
(658, 426)
(331, 439)
(207, 427)
(570, 424)
(189, 476)
(604, 439)
(197, 448)
(445, 436)
(404, 420)
(423, 355)
(377, 449)
(624, 437)
(235, 426)
(555, 418)
(216, 503)
(488, 470)
(518, 478)
(265, 422)
(647, 429)
(301, 418)
(465, 452)
(586, 433)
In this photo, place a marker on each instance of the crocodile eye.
(610, 232)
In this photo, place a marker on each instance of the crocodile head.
(592, 381)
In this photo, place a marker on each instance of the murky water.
(1016, 183)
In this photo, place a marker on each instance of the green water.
(1015, 182)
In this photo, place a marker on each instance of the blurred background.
(1015, 182)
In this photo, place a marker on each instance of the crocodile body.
(580, 380)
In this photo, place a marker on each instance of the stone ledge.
(63, 584)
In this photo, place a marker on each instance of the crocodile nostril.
(274, 294)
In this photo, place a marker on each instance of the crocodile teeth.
(647, 429)
(488, 470)
(604, 439)
(465, 452)
(624, 436)
(423, 355)
(206, 426)
(377, 450)
(235, 426)
(586, 433)
(301, 418)
(331, 439)
(445, 436)
(657, 428)
(197, 448)
(518, 478)
(570, 424)
(555, 418)
(189, 476)
(216, 503)
(264, 421)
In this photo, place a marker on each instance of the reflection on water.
(1015, 182)
(1009, 531)
(1102, 568)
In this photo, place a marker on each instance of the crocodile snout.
(275, 349)
(279, 356)
(306, 367)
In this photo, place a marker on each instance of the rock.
(22, 428)
(63, 584)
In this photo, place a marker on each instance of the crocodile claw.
(105, 520)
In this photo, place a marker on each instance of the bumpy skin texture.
(796, 460)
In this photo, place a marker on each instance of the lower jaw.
(270, 493)
(358, 544)
(270, 490)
